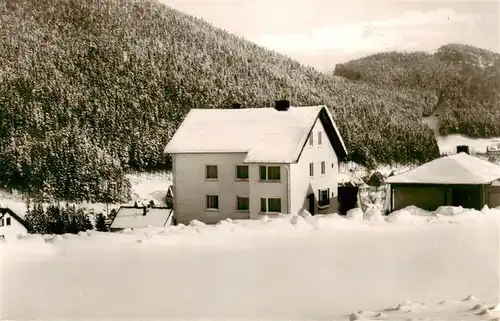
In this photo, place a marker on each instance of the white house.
(11, 225)
(239, 163)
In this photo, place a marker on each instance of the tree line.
(57, 219)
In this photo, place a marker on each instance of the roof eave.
(436, 183)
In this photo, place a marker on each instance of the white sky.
(325, 32)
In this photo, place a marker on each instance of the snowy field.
(411, 265)
(448, 144)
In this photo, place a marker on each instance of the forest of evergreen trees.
(91, 89)
(461, 80)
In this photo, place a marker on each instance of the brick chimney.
(282, 105)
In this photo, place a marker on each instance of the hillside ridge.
(461, 83)
(93, 89)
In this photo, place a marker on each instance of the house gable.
(4, 211)
(315, 171)
(331, 132)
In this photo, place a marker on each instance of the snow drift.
(413, 265)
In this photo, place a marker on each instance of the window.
(311, 169)
(324, 198)
(242, 172)
(242, 203)
(7, 221)
(270, 173)
(212, 202)
(323, 167)
(270, 205)
(320, 138)
(1, 222)
(311, 139)
(211, 172)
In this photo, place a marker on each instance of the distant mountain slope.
(461, 81)
(90, 89)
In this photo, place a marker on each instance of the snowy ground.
(448, 144)
(412, 265)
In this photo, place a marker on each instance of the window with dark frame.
(311, 139)
(274, 205)
(323, 167)
(1, 222)
(242, 172)
(270, 205)
(242, 203)
(320, 138)
(7, 221)
(263, 205)
(311, 169)
(212, 202)
(270, 173)
(211, 172)
(324, 197)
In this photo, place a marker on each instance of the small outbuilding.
(134, 217)
(456, 180)
(11, 224)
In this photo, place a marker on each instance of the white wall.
(303, 184)
(262, 189)
(191, 187)
(13, 230)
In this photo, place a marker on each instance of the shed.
(456, 180)
(141, 217)
(12, 225)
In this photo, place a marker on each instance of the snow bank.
(229, 232)
(374, 215)
(405, 216)
(286, 271)
(355, 214)
(32, 246)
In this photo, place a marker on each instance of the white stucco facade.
(304, 184)
(191, 186)
(11, 228)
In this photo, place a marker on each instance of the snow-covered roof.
(6, 210)
(457, 169)
(132, 217)
(265, 134)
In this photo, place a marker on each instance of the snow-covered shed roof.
(6, 210)
(133, 217)
(265, 134)
(457, 169)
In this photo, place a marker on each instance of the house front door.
(310, 198)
